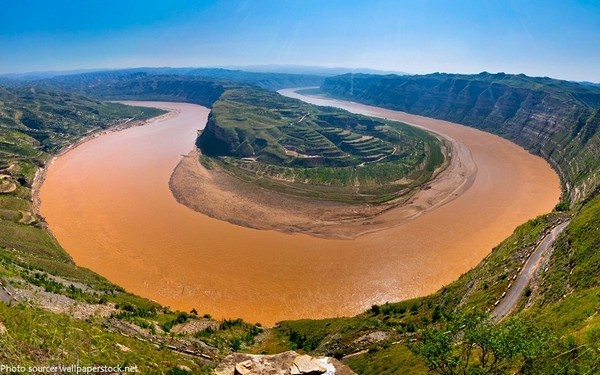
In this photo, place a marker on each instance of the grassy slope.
(36, 338)
(568, 297)
(290, 146)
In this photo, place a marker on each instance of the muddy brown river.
(108, 203)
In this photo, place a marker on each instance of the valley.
(300, 187)
(34, 268)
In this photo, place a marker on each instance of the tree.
(437, 314)
(473, 344)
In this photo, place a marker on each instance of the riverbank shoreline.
(40, 173)
(221, 195)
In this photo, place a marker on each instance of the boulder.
(306, 365)
(286, 363)
(243, 368)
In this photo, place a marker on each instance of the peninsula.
(266, 161)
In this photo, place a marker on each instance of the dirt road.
(531, 266)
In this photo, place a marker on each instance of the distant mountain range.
(216, 72)
(33, 76)
(307, 69)
(74, 79)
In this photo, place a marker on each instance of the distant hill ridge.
(96, 83)
(555, 119)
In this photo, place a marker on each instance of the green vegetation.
(233, 334)
(387, 359)
(449, 332)
(474, 345)
(318, 336)
(38, 338)
(35, 120)
(568, 294)
(297, 148)
(471, 344)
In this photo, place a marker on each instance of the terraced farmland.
(301, 149)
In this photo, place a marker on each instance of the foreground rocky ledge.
(285, 363)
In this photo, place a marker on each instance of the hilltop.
(271, 162)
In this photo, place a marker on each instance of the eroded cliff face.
(216, 140)
(557, 120)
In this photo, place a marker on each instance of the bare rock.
(58, 303)
(195, 325)
(243, 368)
(123, 348)
(305, 364)
(287, 363)
(371, 338)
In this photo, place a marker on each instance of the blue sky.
(560, 39)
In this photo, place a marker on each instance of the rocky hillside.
(555, 119)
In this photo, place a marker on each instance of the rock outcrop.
(287, 363)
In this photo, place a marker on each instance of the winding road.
(530, 268)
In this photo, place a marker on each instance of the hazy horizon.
(537, 38)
